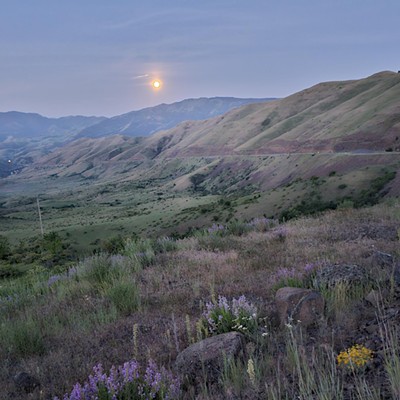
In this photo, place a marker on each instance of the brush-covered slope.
(89, 157)
(332, 119)
(358, 115)
(164, 116)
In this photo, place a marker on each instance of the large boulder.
(205, 360)
(297, 304)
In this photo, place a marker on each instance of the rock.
(296, 304)
(386, 266)
(333, 274)
(382, 259)
(27, 383)
(205, 360)
(374, 298)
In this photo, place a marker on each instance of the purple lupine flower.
(208, 315)
(130, 371)
(112, 383)
(241, 305)
(280, 233)
(310, 268)
(76, 393)
(261, 224)
(53, 279)
(287, 273)
(72, 272)
(215, 228)
(223, 303)
(156, 383)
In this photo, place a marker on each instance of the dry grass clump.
(146, 305)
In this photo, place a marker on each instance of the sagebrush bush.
(22, 337)
(125, 295)
(97, 269)
(141, 252)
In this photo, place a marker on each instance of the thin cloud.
(141, 76)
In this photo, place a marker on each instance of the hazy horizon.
(96, 58)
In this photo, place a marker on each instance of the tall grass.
(22, 337)
(390, 338)
(125, 296)
(141, 252)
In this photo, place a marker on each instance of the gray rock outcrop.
(205, 360)
(297, 304)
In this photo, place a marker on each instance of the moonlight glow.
(156, 84)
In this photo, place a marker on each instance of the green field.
(174, 196)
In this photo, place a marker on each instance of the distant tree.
(196, 180)
(114, 245)
(52, 242)
(5, 248)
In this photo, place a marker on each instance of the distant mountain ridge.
(24, 137)
(17, 125)
(347, 117)
(149, 120)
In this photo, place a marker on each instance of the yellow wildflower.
(354, 357)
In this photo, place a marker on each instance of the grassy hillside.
(146, 302)
(361, 116)
(334, 116)
(220, 170)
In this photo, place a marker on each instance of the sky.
(98, 57)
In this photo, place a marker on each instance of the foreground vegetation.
(148, 299)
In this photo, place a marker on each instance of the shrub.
(125, 296)
(98, 270)
(23, 337)
(354, 357)
(4, 247)
(238, 228)
(140, 251)
(164, 245)
(238, 315)
(288, 277)
(113, 245)
(216, 229)
(125, 382)
(262, 224)
(10, 271)
(295, 277)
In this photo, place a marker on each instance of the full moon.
(156, 84)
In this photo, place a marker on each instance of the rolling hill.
(334, 144)
(25, 137)
(356, 117)
(359, 115)
(165, 116)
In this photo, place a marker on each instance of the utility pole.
(40, 216)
